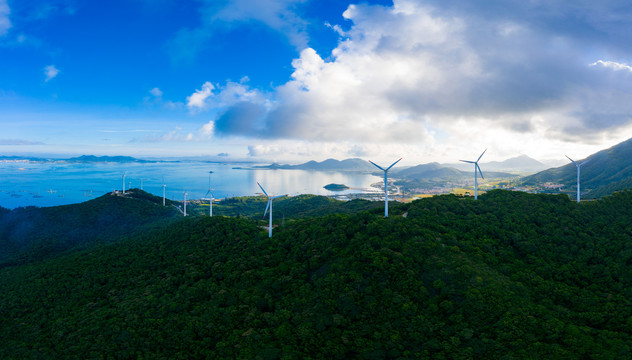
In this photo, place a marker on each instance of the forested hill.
(606, 171)
(512, 275)
(33, 233)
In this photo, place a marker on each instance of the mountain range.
(77, 159)
(604, 172)
(522, 163)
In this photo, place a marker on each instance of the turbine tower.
(476, 167)
(163, 191)
(578, 167)
(385, 183)
(185, 204)
(123, 183)
(269, 205)
(210, 200)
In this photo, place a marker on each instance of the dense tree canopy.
(510, 276)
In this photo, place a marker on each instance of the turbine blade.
(468, 161)
(393, 164)
(481, 155)
(479, 170)
(587, 160)
(207, 193)
(278, 196)
(573, 161)
(377, 166)
(267, 206)
(263, 190)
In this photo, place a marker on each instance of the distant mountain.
(429, 171)
(93, 159)
(79, 159)
(353, 164)
(435, 171)
(522, 163)
(604, 169)
(518, 163)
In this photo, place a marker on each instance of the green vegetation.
(294, 207)
(606, 171)
(32, 233)
(336, 187)
(510, 276)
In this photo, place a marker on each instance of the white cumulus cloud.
(50, 72)
(198, 98)
(419, 71)
(156, 92)
(612, 65)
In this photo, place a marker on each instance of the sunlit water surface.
(51, 184)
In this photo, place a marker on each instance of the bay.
(50, 184)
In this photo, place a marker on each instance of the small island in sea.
(336, 187)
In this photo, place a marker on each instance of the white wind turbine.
(385, 183)
(578, 167)
(185, 203)
(269, 205)
(476, 167)
(164, 187)
(210, 191)
(123, 183)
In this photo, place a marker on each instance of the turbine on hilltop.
(164, 188)
(476, 167)
(579, 165)
(210, 199)
(385, 183)
(269, 205)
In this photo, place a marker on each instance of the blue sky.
(293, 80)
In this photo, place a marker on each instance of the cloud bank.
(419, 70)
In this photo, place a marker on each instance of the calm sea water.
(50, 184)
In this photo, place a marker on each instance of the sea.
(44, 184)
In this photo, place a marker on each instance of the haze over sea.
(51, 184)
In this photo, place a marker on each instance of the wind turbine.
(185, 203)
(163, 191)
(123, 183)
(476, 167)
(578, 167)
(210, 191)
(385, 183)
(269, 205)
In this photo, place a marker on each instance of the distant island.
(336, 187)
(79, 159)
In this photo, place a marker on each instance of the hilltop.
(512, 275)
(606, 171)
(33, 233)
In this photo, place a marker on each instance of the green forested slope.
(510, 276)
(33, 233)
(293, 207)
(609, 169)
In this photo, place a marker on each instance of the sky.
(295, 80)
